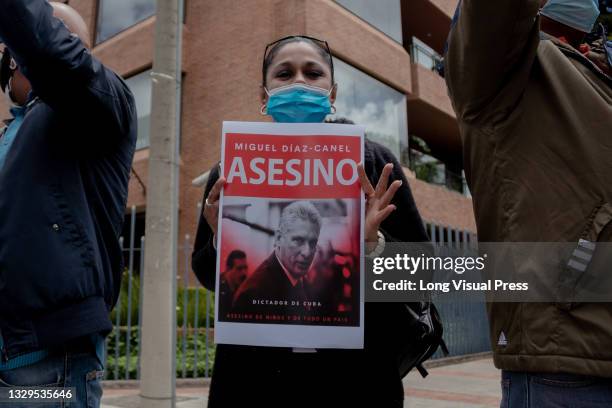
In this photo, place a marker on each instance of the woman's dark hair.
(273, 49)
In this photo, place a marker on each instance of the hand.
(211, 205)
(378, 200)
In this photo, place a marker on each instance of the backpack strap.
(444, 348)
(422, 370)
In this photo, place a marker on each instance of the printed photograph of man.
(281, 276)
(236, 270)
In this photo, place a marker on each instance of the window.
(424, 55)
(386, 15)
(428, 168)
(432, 170)
(141, 88)
(380, 108)
(115, 16)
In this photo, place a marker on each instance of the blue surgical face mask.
(578, 14)
(298, 103)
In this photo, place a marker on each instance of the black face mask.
(7, 69)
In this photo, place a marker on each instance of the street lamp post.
(158, 365)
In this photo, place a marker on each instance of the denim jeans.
(531, 390)
(81, 370)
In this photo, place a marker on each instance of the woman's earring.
(263, 110)
(333, 110)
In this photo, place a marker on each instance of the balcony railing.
(425, 56)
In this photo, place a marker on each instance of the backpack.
(421, 335)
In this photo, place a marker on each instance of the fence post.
(432, 233)
(129, 295)
(206, 308)
(185, 305)
(142, 248)
(196, 324)
(196, 317)
(118, 324)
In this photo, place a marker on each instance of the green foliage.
(191, 306)
(122, 304)
(120, 363)
(119, 345)
(424, 166)
(427, 171)
(420, 144)
(190, 356)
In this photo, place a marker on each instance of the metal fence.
(195, 311)
(466, 328)
(465, 324)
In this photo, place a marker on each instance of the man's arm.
(61, 70)
(204, 256)
(492, 45)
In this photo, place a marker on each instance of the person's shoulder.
(243, 296)
(263, 276)
(251, 287)
(376, 157)
(264, 268)
(378, 150)
(119, 84)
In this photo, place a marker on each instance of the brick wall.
(223, 48)
(441, 206)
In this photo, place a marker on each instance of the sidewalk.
(465, 385)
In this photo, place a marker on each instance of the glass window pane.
(367, 101)
(141, 88)
(428, 168)
(424, 54)
(115, 16)
(386, 15)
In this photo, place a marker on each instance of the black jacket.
(63, 187)
(374, 364)
(267, 282)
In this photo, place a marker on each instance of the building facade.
(386, 54)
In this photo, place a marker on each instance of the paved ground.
(473, 384)
(466, 385)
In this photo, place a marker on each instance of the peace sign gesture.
(378, 200)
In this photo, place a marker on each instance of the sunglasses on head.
(321, 43)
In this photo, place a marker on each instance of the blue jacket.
(63, 187)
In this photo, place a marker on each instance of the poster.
(290, 237)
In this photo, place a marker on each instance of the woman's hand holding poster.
(290, 237)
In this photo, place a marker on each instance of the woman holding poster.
(298, 87)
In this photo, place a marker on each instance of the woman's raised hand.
(378, 200)
(211, 205)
